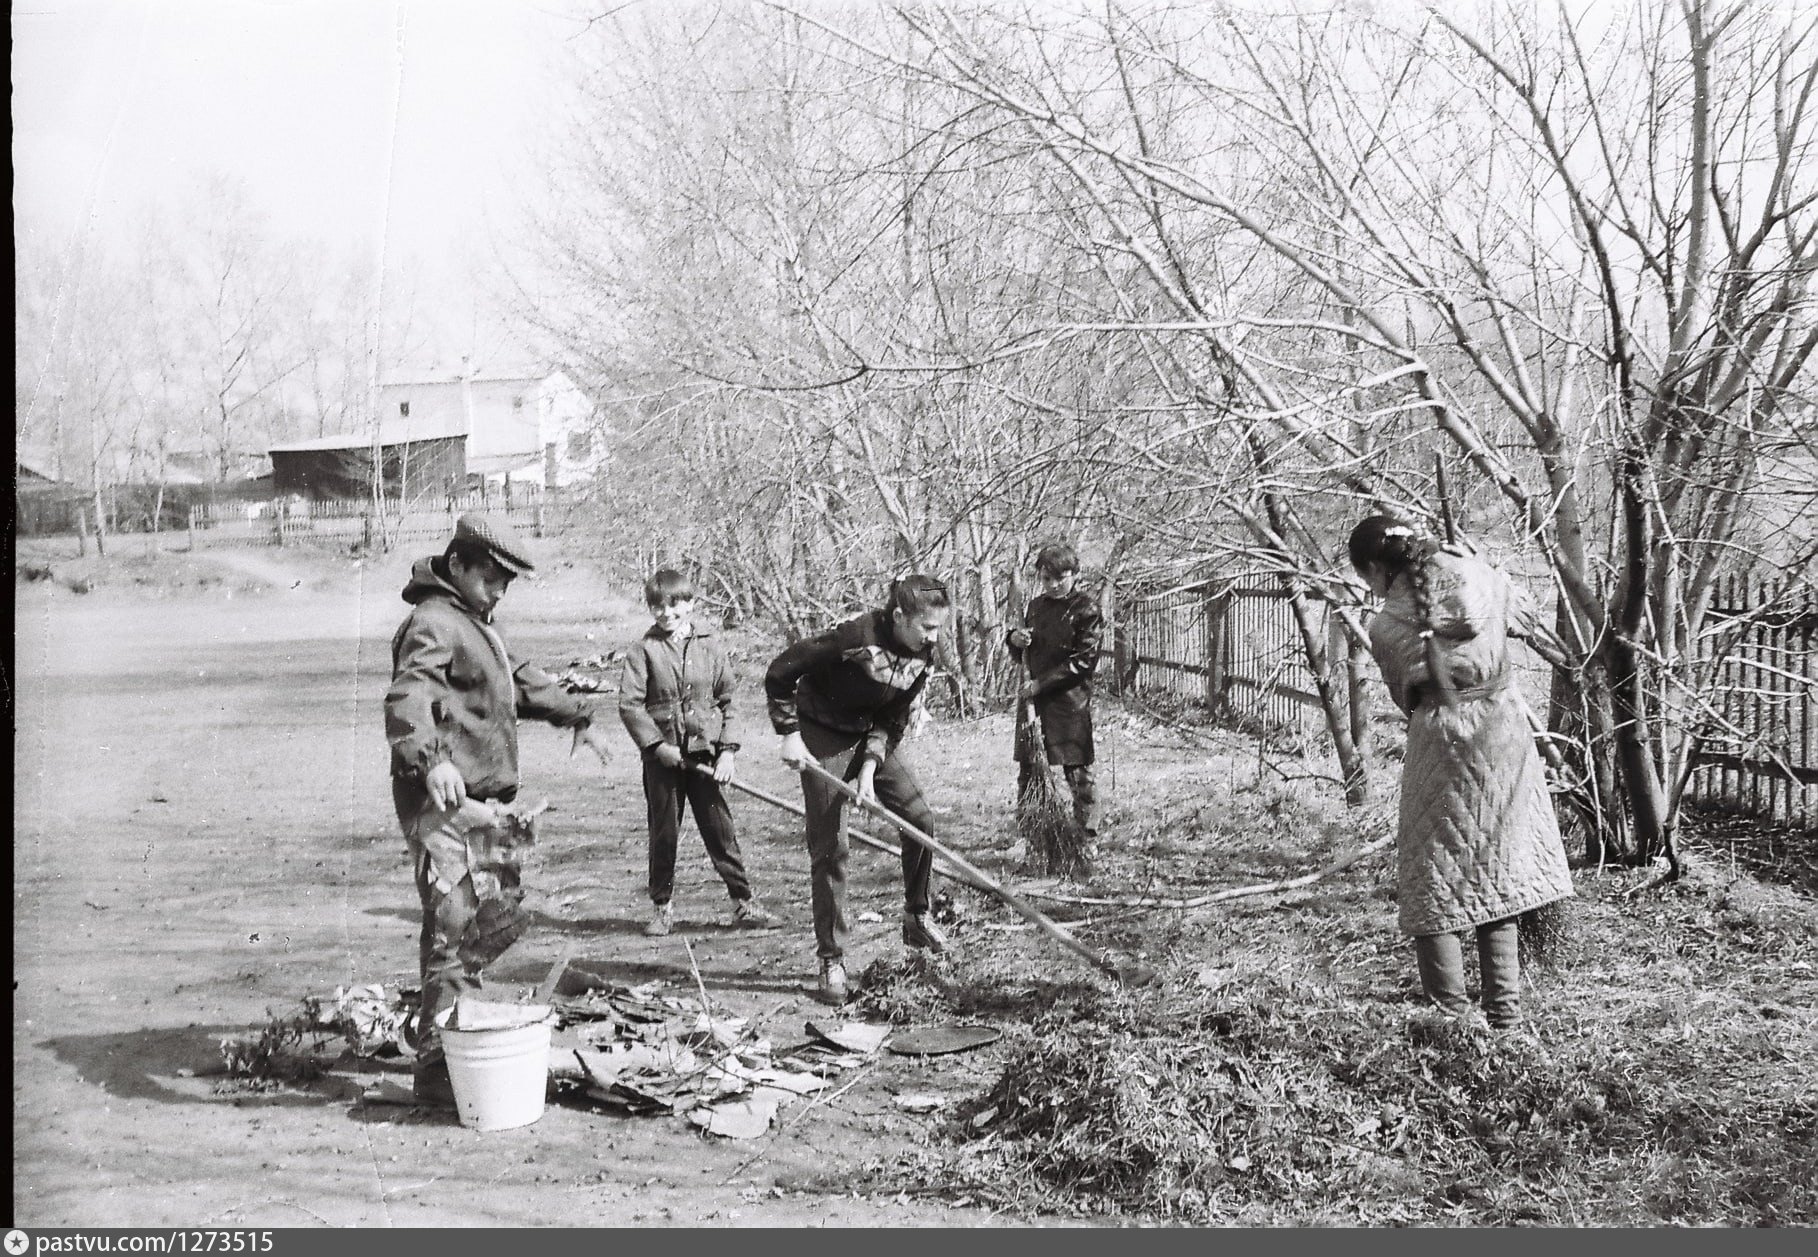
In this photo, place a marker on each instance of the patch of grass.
(1288, 1074)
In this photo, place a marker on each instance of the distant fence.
(1232, 648)
(284, 521)
(1765, 762)
(49, 510)
(1235, 650)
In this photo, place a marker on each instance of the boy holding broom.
(1058, 643)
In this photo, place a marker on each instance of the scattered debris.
(735, 1119)
(592, 674)
(919, 1103)
(853, 1036)
(651, 1053)
(941, 1040)
(374, 1021)
(388, 1091)
(369, 1021)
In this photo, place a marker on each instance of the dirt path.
(203, 834)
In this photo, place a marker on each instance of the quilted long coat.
(1477, 839)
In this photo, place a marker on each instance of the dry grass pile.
(1287, 1074)
(300, 1046)
(911, 992)
(1275, 1106)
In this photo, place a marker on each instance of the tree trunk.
(1629, 696)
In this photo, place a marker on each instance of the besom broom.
(1053, 842)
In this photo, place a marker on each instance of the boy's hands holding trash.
(586, 735)
(1019, 638)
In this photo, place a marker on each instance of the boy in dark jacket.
(451, 717)
(843, 699)
(675, 697)
(1059, 645)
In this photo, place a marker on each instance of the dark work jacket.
(456, 697)
(677, 692)
(1061, 657)
(854, 678)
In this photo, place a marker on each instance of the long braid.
(1420, 551)
(1402, 548)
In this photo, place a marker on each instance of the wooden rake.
(1128, 971)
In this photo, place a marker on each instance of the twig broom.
(1053, 843)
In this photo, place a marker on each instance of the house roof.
(492, 464)
(397, 430)
(524, 375)
(36, 466)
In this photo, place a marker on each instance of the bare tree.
(1582, 258)
(1197, 285)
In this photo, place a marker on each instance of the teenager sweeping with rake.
(1477, 844)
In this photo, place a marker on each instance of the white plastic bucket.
(500, 1077)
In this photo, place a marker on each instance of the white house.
(525, 426)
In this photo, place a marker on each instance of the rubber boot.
(1441, 960)
(1499, 964)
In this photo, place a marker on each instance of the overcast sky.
(400, 124)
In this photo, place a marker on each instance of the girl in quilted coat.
(1477, 844)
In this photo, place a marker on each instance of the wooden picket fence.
(1230, 647)
(1759, 756)
(1233, 648)
(285, 521)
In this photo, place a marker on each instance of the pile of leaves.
(592, 674)
(298, 1047)
(1266, 1103)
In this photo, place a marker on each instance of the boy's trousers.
(1080, 781)
(447, 857)
(667, 793)
(1441, 960)
(898, 790)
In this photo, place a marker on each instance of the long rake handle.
(979, 879)
(859, 835)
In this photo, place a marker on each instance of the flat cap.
(498, 538)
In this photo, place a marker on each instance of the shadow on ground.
(183, 1066)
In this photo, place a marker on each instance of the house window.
(404, 409)
(580, 445)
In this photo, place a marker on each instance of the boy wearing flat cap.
(451, 717)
